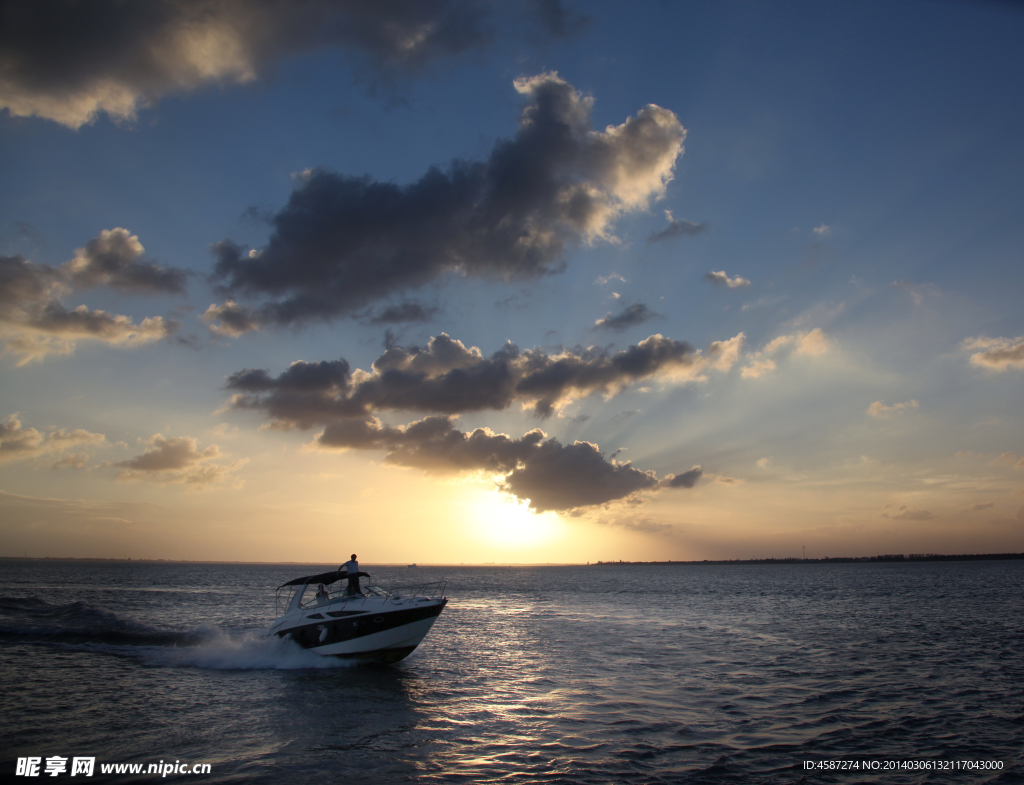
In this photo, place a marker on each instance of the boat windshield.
(335, 594)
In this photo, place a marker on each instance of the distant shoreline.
(287, 563)
(893, 557)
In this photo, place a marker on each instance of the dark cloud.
(446, 377)
(69, 60)
(304, 396)
(634, 523)
(686, 479)
(37, 329)
(343, 242)
(34, 322)
(637, 313)
(53, 318)
(170, 454)
(114, 258)
(553, 476)
(676, 229)
(404, 313)
(23, 282)
(562, 477)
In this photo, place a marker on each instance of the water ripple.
(716, 674)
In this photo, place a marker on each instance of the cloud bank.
(71, 61)
(552, 475)
(446, 378)
(343, 242)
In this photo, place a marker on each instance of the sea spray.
(252, 650)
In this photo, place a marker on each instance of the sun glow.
(504, 520)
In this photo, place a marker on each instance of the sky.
(523, 282)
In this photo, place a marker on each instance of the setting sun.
(508, 522)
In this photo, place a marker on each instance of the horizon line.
(897, 557)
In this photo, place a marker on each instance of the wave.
(83, 627)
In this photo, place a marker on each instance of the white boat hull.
(408, 636)
(371, 629)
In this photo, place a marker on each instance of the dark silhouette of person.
(351, 567)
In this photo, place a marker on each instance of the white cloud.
(177, 460)
(996, 354)
(722, 355)
(778, 343)
(822, 230)
(19, 443)
(758, 368)
(812, 343)
(720, 278)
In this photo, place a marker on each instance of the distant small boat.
(412, 565)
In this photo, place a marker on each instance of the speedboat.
(374, 624)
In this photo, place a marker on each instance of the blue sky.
(845, 271)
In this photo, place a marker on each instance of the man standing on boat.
(352, 568)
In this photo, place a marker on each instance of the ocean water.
(602, 674)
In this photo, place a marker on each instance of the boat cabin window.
(336, 592)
